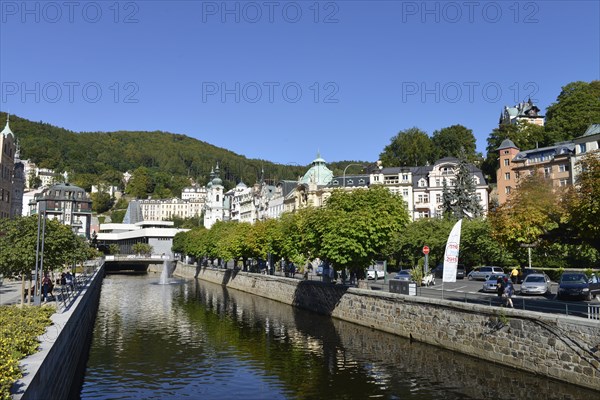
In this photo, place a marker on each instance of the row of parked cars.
(533, 282)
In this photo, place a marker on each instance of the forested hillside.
(171, 160)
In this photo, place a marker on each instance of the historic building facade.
(66, 203)
(557, 163)
(526, 111)
(8, 150)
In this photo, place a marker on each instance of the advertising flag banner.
(451, 253)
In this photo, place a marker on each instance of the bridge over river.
(134, 263)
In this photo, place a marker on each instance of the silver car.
(483, 273)
(491, 283)
(536, 284)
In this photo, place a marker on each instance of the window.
(350, 181)
(506, 151)
(335, 182)
(507, 176)
(361, 181)
(422, 182)
(506, 162)
(563, 167)
(582, 148)
(375, 178)
(563, 182)
(547, 171)
(517, 174)
(507, 190)
(404, 177)
(438, 198)
(437, 182)
(405, 192)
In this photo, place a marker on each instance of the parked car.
(428, 280)
(577, 284)
(403, 275)
(526, 272)
(490, 284)
(482, 273)
(536, 284)
(375, 274)
(438, 272)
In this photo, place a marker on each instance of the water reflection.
(200, 340)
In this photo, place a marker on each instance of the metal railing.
(69, 292)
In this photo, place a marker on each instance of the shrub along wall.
(560, 347)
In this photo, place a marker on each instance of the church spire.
(6, 131)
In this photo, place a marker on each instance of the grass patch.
(19, 331)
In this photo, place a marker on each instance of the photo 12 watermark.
(254, 12)
(270, 92)
(469, 92)
(69, 92)
(53, 12)
(453, 12)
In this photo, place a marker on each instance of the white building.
(216, 207)
(158, 234)
(587, 143)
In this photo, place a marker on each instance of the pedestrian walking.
(500, 286)
(508, 293)
(46, 287)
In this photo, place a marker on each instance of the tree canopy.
(576, 107)
(409, 148)
(455, 141)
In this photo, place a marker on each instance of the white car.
(375, 274)
(428, 280)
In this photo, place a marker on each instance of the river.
(197, 340)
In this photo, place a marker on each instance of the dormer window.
(361, 181)
(350, 181)
(335, 182)
(422, 182)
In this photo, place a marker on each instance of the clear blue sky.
(231, 75)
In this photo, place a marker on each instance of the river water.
(197, 340)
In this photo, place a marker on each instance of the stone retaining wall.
(55, 371)
(561, 347)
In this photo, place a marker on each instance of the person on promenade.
(500, 287)
(508, 292)
(46, 287)
(69, 279)
(514, 274)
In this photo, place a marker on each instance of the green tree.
(140, 184)
(455, 141)
(101, 202)
(582, 203)
(461, 199)
(353, 228)
(530, 214)
(114, 248)
(142, 248)
(576, 107)
(409, 148)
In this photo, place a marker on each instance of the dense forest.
(173, 161)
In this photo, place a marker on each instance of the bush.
(19, 330)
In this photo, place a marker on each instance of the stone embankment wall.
(561, 347)
(56, 369)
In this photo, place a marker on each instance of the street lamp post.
(344, 176)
